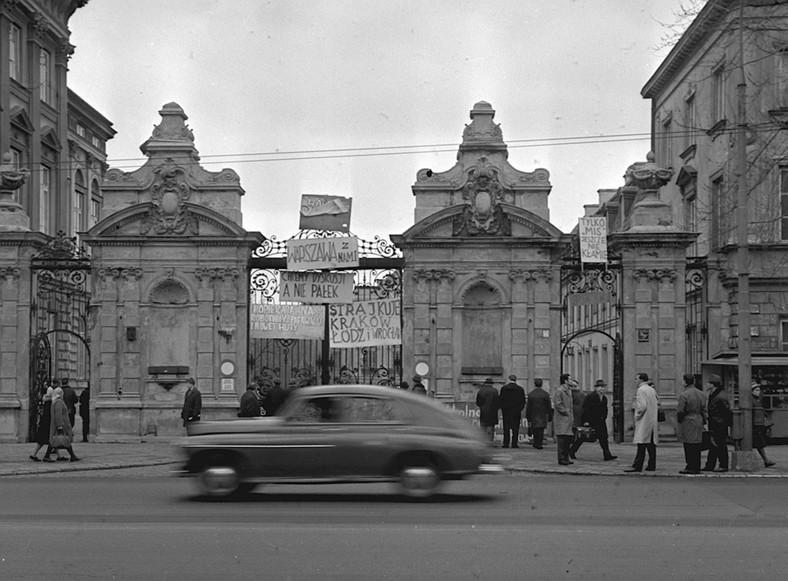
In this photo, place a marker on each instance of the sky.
(353, 97)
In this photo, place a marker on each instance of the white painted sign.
(322, 253)
(272, 321)
(365, 323)
(593, 239)
(320, 212)
(316, 287)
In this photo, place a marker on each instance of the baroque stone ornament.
(168, 214)
(482, 213)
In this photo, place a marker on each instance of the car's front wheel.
(419, 480)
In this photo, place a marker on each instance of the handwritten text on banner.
(365, 323)
(322, 253)
(316, 287)
(273, 321)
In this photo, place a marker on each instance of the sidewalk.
(14, 459)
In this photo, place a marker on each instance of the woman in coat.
(42, 433)
(691, 415)
(60, 426)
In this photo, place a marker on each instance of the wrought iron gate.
(300, 362)
(59, 346)
(591, 311)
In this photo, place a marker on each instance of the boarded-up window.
(482, 322)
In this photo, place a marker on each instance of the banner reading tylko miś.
(365, 323)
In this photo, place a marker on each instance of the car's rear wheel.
(419, 480)
(219, 480)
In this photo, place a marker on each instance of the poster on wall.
(365, 323)
(593, 239)
(322, 253)
(314, 287)
(274, 321)
(321, 212)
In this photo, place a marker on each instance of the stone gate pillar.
(171, 288)
(653, 263)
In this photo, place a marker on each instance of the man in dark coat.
(70, 398)
(192, 404)
(418, 386)
(720, 419)
(273, 398)
(578, 397)
(512, 402)
(594, 414)
(691, 415)
(250, 404)
(538, 410)
(84, 412)
(488, 402)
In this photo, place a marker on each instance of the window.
(44, 199)
(80, 197)
(784, 334)
(95, 211)
(80, 130)
(666, 146)
(782, 78)
(45, 77)
(15, 52)
(724, 215)
(718, 94)
(690, 120)
(784, 202)
(691, 220)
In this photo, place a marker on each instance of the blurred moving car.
(339, 433)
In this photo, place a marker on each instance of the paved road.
(118, 525)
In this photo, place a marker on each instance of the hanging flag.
(593, 239)
(319, 212)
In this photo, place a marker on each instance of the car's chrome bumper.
(490, 469)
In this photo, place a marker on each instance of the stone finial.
(172, 135)
(481, 134)
(647, 175)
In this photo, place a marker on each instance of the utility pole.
(744, 459)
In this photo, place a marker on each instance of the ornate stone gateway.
(298, 362)
(59, 320)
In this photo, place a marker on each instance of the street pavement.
(14, 459)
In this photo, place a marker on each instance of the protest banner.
(275, 321)
(593, 239)
(365, 323)
(316, 287)
(322, 253)
(320, 212)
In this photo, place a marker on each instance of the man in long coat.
(594, 414)
(720, 419)
(488, 402)
(192, 404)
(512, 401)
(537, 412)
(646, 438)
(563, 419)
(691, 416)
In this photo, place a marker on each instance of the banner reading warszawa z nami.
(365, 323)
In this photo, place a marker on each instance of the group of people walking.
(55, 429)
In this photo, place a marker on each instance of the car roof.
(353, 389)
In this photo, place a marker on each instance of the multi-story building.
(45, 127)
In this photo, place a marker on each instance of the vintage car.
(339, 433)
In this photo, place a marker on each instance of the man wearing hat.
(720, 419)
(488, 402)
(594, 414)
(512, 400)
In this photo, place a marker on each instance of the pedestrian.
(250, 404)
(61, 433)
(577, 412)
(691, 414)
(488, 401)
(646, 437)
(512, 402)
(273, 399)
(538, 412)
(563, 420)
(594, 415)
(759, 424)
(720, 419)
(418, 386)
(404, 385)
(42, 430)
(70, 399)
(84, 412)
(192, 403)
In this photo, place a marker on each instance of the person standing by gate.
(70, 399)
(488, 401)
(645, 425)
(594, 414)
(512, 401)
(192, 404)
(563, 419)
(84, 412)
(537, 412)
(691, 417)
